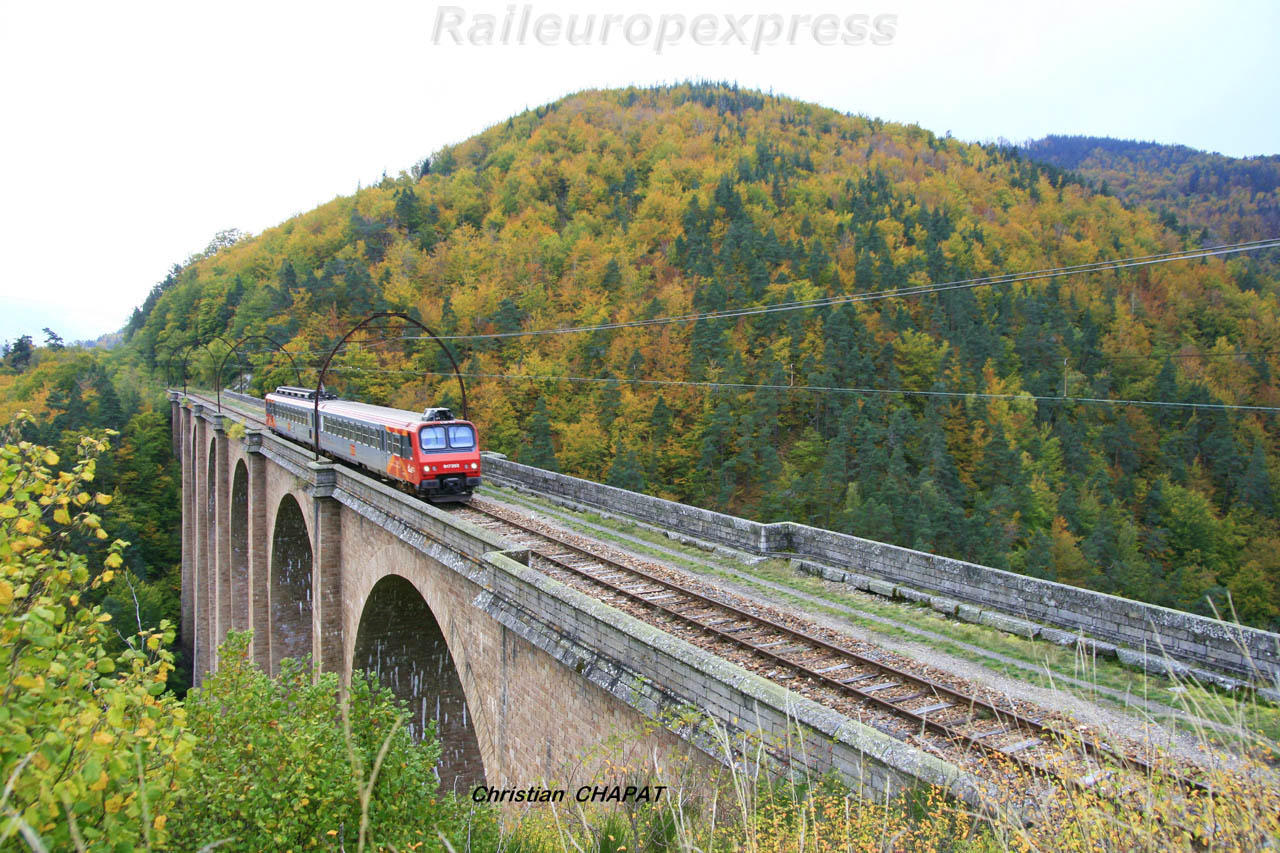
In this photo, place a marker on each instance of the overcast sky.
(131, 132)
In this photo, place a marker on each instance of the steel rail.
(1010, 721)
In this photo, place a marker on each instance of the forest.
(1209, 196)
(628, 208)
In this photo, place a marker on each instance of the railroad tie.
(917, 695)
(863, 677)
(991, 733)
(929, 709)
(1021, 745)
(1095, 777)
(884, 685)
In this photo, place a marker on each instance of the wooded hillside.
(617, 206)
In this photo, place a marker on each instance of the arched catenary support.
(324, 368)
(239, 587)
(236, 346)
(171, 365)
(186, 354)
(400, 642)
(290, 585)
(168, 356)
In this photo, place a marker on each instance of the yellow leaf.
(160, 821)
(100, 533)
(24, 525)
(102, 499)
(103, 739)
(101, 784)
(113, 561)
(6, 593)
(51, 458)
(82, 498)
(61, 516)
(113, 804)
(107, 576)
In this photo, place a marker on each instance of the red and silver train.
(434, 452)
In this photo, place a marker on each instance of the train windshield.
(462, 437)
(432, 438)
(454, 436)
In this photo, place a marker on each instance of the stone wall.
(1138, 633)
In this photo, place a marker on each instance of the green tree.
(539, 451)
(19, 353)
(627, 472)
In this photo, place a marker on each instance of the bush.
(92, 750)
(291, 763)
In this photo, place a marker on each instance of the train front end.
(448, 458)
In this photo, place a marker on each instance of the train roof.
(384, 415)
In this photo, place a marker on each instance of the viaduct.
(526, 677)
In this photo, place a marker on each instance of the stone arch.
(209, 545)
(290, 587)
(400, 641)
(238, 588)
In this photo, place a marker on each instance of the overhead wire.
(867, 296)
(751, 386)
(870, 296)
(897, 293)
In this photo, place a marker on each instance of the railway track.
(905, 704)
(960, 726)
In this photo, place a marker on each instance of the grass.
(742, 803)
(747, 805)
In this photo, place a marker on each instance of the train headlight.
(474, 466)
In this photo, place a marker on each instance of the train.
(432, 452)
